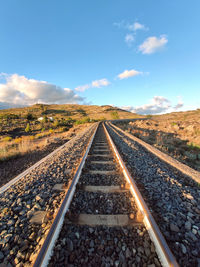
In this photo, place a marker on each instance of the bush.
(84, 120)
(7, 139)
(9, 116)
(29, 117)
(27, 129)
(149, 116)
(115, 115)
(56, 124)
(18, 140)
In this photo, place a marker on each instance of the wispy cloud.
(128, 73)
(93, 84)
(82, 88)
(130, 26)
(153, 44)
(131, 29)
(129, 38)
(179, 104)
(136, 26)
(100, 83)
(20, 91)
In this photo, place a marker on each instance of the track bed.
(101, 227)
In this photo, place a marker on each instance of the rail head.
(163, 250)
(44, 254)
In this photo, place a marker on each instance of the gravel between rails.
(18, 238)
(102, 246)
(173, 198)
(80, 245)
(96, 179)
(102, 203)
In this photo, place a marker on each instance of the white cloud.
(128, 73)
(136, 26)
(157, 105)
(19, 90)
(100, 83)
(131, 27)
(129, 38)
(179, 104)
(153, 44)
(82, 88)
(93, 84)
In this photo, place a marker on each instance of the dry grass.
(21, 146)
(10, 148)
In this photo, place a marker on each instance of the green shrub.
(29, 117)
(149, 116)
(9, 116)
(114, 115)
(7, 139)
(27, 129)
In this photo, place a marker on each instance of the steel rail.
(164, 253)
(44, 254)
(21, 175)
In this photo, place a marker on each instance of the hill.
(14, 121)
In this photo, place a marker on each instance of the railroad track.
(103, 219)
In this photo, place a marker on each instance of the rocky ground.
(19, 238)
(116, 246)
(177, 134)
(84, 245)
(173, 198)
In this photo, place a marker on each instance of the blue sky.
(142, 55)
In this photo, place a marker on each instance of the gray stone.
(70, 245)
(147, 252)
(117, 263)
(128, 253)
(91, 243)
(10, 223)
(121, 257)
(134, 251)
(174, 228)
(188, 225)
(194, 231)
(1, 256)
(183, 248)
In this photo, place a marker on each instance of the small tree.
(29, 117)
(27, 129)
(115, 115)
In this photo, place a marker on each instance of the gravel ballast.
(173, 197)
(34, 192)
(105, 244)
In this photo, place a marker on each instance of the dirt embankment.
(14, 166)
(178, 137)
